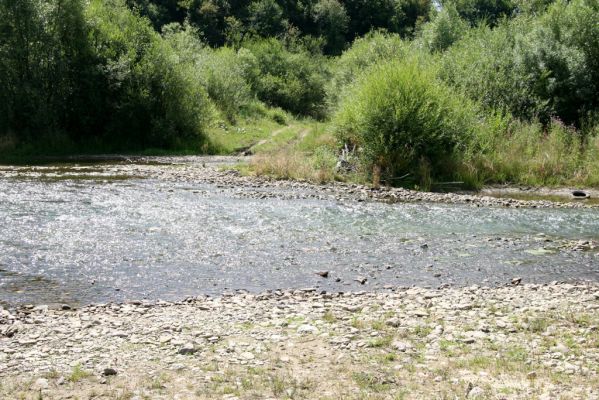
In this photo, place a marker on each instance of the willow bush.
(405, 120)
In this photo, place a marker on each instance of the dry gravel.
(514, 342)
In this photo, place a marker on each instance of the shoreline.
(524, 341)
(219, 171)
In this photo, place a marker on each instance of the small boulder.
(109, 372)
(188, 348)
(307, 329)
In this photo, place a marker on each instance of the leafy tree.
(446, 27)
(160, 12)
(209, 17)
(294, 81)
(47, 67)
(398, 16)
(266, 18)
(530, 67)
(332, 20)
(489, 11)
(153, 96)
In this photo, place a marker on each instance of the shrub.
(446, 27)
(152, 94)
(541, 68)
(373, 48)
(404, 119)
(293, 81)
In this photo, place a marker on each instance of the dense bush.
(96, 75)
(292, 80)
(445, 28)
(374, 48)
(48, 72)
(532, 67)
(222, 72)
(404, 119)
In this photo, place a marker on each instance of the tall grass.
(531, 154)
(289, 164)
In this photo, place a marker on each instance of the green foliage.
(446, 28)
(532, 67)
(209, 17)
(336, 22)
(153, 95)
(528, 153)
(47, 70)
(560, 59)
(332, 20)
(96, 75)
(292, 80)
(374, 48)
(159, 12)
(403, 118)
(489, 11)
(266, 18)
(397, 16)
(222, 72)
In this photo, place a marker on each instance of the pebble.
(307, 329)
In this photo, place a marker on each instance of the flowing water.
(82, 234)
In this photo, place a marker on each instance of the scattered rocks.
(41, 384)
(531, 375)
(476, 393)
(247, 355)
(416, 327)
(516, 281)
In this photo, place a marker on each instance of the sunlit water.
(96, 240)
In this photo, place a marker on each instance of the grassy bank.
(520, 154)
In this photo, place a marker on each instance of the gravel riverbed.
(522, 341)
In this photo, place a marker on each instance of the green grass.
(77, 374)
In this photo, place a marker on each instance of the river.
(106, 231)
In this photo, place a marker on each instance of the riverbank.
(528, 342)
(218, 170)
